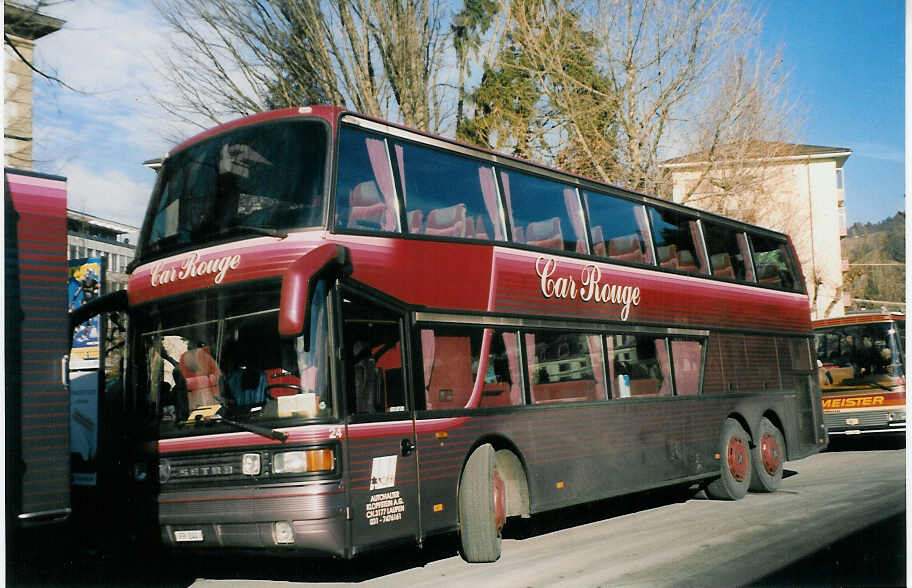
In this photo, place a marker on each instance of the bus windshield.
(211, 360)
(267, 176)
(861, 354)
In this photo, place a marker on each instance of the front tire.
(736, 464)
(482, 509)
(767, 456)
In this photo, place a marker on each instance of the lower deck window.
(564, 367)
(639, 366)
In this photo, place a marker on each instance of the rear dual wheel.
(767, 456)
(482, 507)
(736, 464)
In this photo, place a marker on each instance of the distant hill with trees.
(877, 258)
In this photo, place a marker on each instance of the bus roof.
(859, 319)
(334, 114)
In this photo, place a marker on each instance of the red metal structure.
(406, 336)
(35, 347)
(862, 370)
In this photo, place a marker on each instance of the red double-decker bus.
(862, 367)
(346, 333)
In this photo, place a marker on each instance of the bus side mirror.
(298, 282)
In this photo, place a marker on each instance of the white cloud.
(879, 152)
(107, 194)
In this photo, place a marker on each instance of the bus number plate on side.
(192, 535)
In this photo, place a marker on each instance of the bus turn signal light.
(300, 462)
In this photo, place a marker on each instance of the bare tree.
(235, 57)
(688, 79)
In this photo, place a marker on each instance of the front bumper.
(247, 518)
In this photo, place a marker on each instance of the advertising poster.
(85, 285)
(84, 426)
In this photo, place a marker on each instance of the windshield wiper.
(242, 229)
(216, 414)
(264, 431)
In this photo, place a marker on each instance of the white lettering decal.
(589, 289)
(385, 507)
(192, 267)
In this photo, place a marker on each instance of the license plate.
(192, 535)
(851, 421)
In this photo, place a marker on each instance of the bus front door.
(380, 429)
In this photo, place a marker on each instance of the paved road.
(839, 519)
(827, 505)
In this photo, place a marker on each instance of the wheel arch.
(513, 469)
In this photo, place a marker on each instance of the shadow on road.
(866, 442)
(72, 559)
(873, 556)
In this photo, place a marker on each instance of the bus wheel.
(736, 464)
(482, 507)
(767, 457)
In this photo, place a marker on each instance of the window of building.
(544, 213)
(840, 180)
(618, 228)
(466, 205)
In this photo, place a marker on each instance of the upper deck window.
(266, 176)
(619, 228)
(773, 263)
(365, 193)
(447, 195)
(544, 213)
(728, 252)
(676, 238)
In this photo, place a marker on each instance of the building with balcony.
(795, 189)
(113, 242)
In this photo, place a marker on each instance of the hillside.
(881, 247)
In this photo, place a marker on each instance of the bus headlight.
(300, 462)
(250, 464)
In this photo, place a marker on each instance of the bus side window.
(640, 366)
(620, 230)
(687, 360)
(372, 337)
(565, 367)
(450, 360)
(727, 251)
(773, 263)
(465, 206)
(365, 194)
(676, 240)
(502, 385)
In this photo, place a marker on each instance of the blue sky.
(845, 59)
(847, 69)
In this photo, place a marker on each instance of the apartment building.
(797, 189)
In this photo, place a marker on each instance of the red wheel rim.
(770, 454)
(500, 506)
(738, 462)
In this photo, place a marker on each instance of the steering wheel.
(299, 389)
